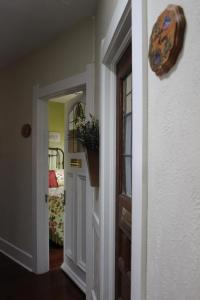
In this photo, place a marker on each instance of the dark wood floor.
(16, 283)
(55, 257)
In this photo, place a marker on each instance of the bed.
(56, 196)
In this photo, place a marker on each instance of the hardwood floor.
(55, 257)
(16, 283)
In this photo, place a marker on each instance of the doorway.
(80, 82)
(55, 197)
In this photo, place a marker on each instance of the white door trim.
(40, 165)
(140, 148)
(118, 36)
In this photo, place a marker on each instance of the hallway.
(16, 283)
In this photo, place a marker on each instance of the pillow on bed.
(52, 179)
(60, 177)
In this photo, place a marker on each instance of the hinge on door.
(64, 201)
(46, 198)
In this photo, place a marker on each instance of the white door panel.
(96, 256)
(69, 228)
(81, 221)
(75, 215)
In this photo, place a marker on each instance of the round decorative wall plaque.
(166, 40)
(26, 130)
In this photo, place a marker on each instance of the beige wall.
(66, 55)
(174, 168)
(104, 15)
(105, 10)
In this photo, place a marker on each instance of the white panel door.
(75, 210)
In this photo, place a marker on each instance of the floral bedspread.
(56, 215)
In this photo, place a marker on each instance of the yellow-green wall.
(56, 114)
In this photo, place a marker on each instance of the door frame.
(41, 95)
(129, 23)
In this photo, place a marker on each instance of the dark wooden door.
(124, 176)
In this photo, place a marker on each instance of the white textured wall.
(173, 269)
(65, 56)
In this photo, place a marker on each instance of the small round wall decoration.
(26, 130)
(166, 40)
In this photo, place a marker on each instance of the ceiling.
(27, 24)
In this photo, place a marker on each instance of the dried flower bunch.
(88, 132)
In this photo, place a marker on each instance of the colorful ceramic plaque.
(166, 39)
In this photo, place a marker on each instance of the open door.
(75, 196)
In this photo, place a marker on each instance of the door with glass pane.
(75, 210)
(124, 176)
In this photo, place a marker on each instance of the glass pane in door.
(127, 137)
(77, 113)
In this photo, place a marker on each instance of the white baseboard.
(16, 254)
(80, 283)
